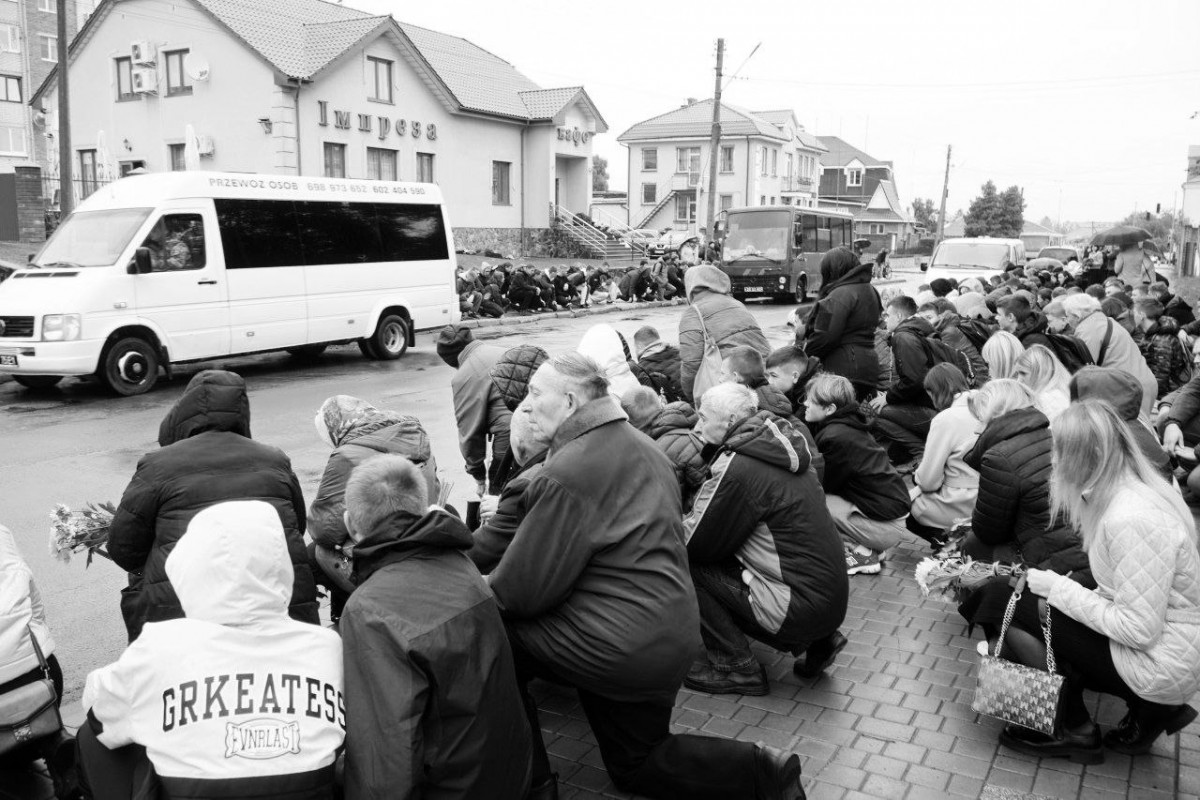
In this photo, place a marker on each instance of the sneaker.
(859, 563)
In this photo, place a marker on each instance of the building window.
(775, 163)
(12, 140)
(129, 166)
(381, 164)
(789, 166)
(48, 5)
(685, 208)
(649, 159)
(178, 81)
(335, 160)
(727, 158)
(425, 168)
(381, 79)
(10, 39)
(87, 171)
(762, 200)
(48, 46)
(687, 159)
(876, 228)
(175, 155)
(854, 177)
(10, 89)
(726, 202)
(125, 79)
(649, 194)
(500, 184)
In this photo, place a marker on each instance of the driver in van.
(170, 245)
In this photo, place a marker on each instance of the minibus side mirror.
(141, 264)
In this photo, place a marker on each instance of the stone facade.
(518, 243)
(31, 205)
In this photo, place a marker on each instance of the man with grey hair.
(595, 592)
(432, 707)
(765, 555)
(1110, 344)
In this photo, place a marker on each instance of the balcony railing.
(796, 184)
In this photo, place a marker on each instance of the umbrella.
(1121, 236)
(191, 148)
(1042, 263)
(1150, 247)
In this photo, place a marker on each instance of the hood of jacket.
(406, 437)
(1004, 427)
(859, 273)
(1114, 385)
(231, 566)
(343, 419)
(849, 415)
(214, 400)
(1035, 323)
(604, 345)
(915, 325)
(705, 277)
(399, 535)
(672, 417)
(767, 438)
(771, 399)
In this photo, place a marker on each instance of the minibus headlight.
(61, 327)
(782, 281)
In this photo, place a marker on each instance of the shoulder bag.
(29, 712)
(1015, 693)
(708, 374)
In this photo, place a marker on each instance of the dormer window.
(854, 177)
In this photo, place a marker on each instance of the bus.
(161, 269)
(775, 251)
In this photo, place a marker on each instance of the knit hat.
(941, 287)
(972, 305)
(705, 277)
(451, 341)
(925, 297)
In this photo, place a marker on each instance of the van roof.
(988, 239)
(136, 191)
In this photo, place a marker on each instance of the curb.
(497, 327)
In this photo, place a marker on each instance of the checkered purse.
(1015, 693)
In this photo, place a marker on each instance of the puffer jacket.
(1012, 457)
(771, 399)
(857, 468)
(727, 321)
(1033, 331)
(21, 608)
(1164, 354)
(207, 457)
(1125, 393)
(910, 363)
(662, 359)
(947, 330)
(841, 328)
(673, 431)
(1147, 600)
(763, 505)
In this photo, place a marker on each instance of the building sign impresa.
(368, 123)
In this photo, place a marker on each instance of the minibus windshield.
(91, 238)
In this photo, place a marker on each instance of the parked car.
(974, 257)
(1064, 253)
(682, 243)
(640, 237)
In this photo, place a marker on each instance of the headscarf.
(343, 418)
(834, 266)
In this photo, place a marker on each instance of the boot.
(1081, 746)
(820, 655)
(776, 774)
(1137, 732)
(546, 790)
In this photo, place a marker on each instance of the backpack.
(1072, 351)
(938, 352)
(976, 330)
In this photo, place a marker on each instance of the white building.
(764, 158)
(314, 88)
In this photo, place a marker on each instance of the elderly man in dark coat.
(207, 457)
(595, 591)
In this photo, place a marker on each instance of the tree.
(1158, 226)
(996, 214)
(599, 174)
(923, 214)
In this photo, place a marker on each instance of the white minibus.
(160, 269)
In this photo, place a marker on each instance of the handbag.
(29, 712)
(1015, 693)
(708, 374)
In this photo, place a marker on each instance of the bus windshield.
(92, 238)
(988, 255)
(758, 233)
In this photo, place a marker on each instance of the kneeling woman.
(1137, 635)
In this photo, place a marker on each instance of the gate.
(9, 229)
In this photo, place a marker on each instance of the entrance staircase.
(590, 238)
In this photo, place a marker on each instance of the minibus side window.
(176, 242)
(259, 233)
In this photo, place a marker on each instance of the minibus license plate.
(754, 288)
(8, 361)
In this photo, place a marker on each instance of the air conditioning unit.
(204, 145)
(145, 80)
(141, 52)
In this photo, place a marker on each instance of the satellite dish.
(196, 67)
(39, 118)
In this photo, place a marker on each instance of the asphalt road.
(80, 444)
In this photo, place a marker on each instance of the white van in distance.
(160, 269)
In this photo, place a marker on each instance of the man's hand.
(487, 507)
(1041, 581)
(480, 488)
(878, 401)
(1172, 437)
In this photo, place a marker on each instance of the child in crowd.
(745, 365)
(865, 495)
(789, 370)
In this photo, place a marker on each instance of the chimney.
(691, 101)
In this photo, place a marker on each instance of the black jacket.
(1033, 331)
(1178, 309)
(1012, 457)
(857, 468)
(432, 707)
(841, 328)
(910, 363)
(207, 457)
(663, 359)
(947, 330)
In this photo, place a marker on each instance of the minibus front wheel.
(390, 339)
(130, 366)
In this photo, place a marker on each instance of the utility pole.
(942, 211)
(66, 201)
(714, 146)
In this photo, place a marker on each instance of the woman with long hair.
(1137, 635)
(1047, 379)
(840, 330)
(1001, 352)
(944, 485)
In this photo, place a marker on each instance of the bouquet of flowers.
(950, 579)
(80, 531)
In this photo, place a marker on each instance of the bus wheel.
(130, 366)
(389, 341)
(37, 383)
(802, 289)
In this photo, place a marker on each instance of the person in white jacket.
(1137, 635)
(237, 699)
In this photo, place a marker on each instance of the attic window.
(854, 177)
(380, 79)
